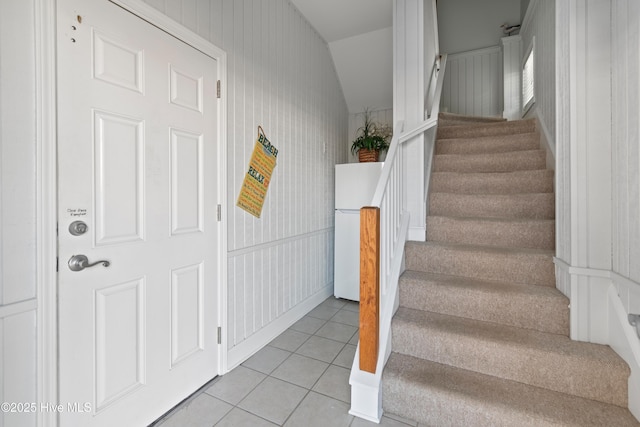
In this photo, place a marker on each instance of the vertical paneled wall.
(625, 69)
(540, 22)
(473, 83)
(280, 76)
(17, 210)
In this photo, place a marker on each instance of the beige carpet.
(481, 335)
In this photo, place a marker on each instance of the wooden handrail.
(369, 287)
(370, 239)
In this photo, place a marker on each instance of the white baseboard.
(264, 336)
(417, 234)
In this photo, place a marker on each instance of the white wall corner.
(589, 307)
(512, 76)
(587, 290)
(417, 234)
(547, 141)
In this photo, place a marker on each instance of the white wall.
(280, 76)
(540, 22)
(625, 69)
(473, 83)
(365, 66)
(17, 209)
(598, 172)
(625, 180)
(468, 25)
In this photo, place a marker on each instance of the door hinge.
(218, 89)
(219, 335)
(57, 264)
(219, 212)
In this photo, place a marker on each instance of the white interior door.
(137, 165)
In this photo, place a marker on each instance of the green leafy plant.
(371, 136)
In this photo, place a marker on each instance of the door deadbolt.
(78, 228)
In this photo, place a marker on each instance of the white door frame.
(46, 191)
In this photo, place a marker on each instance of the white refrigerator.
(355, 185)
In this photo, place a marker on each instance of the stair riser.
(533, 234)
(438, 395)
(527, 160)
(552, 371)
(529, 206)
(537, 312)
(467, 120)
(525, 268)
(499, 144)
(502, 183)
(437, 408)
(482, 130)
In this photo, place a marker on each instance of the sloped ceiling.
(359, 36)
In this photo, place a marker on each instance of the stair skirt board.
(481, 335)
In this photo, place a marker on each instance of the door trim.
(46, 191)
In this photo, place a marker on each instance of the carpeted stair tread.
(531, 206)
(526, 266)
(541, 308)
(487, 129)
(481, 335)
(489, 144)
(492, 162)
(506, 232)
(544, 360)
(529, 181)
(438, 395)
(447, 118)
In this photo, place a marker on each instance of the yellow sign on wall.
(256, 181)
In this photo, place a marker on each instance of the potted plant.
(372, 138)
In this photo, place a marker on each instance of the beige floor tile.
(267, 359)
(352, 306)
(289, 340)
(347, 317)
(323, 312)
(235, 385)
(317, 410)
(202, 411)
(337, 331)
(273, 400)
(354, 339)
(345, 357)
(300, 370)
(335, 383)
(320, 348)
(308, 325)
(334, 302)
(239, 418)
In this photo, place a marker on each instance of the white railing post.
(392, 226)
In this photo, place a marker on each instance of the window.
(528, 78)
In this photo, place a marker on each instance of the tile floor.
(300, 379)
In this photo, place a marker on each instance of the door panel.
(137, 161)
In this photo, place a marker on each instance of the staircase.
(481, 334)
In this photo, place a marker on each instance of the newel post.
(369, 287)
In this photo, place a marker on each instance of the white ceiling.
(360, 40)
